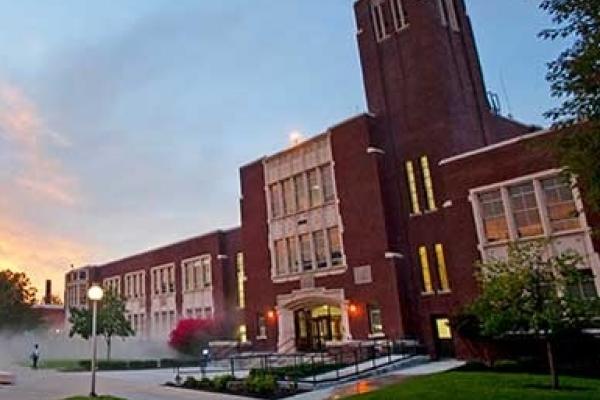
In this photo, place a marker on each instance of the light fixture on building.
(296, 138)
(353, 308)
(271, 315)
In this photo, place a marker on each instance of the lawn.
(488, 386)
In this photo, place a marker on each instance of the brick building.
(371, 228)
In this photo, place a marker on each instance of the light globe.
(95, 293)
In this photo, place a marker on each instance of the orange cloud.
(39, 254)
(22, 125)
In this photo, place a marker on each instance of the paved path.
(132, 385)
(370, 384)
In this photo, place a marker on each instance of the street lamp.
(95, 294)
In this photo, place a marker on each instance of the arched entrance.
(310, 318)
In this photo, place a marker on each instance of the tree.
(17, 298)
(575, 80)
(190, 336)
(110, 322)
(531, 294)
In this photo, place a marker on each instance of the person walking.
(35, 356)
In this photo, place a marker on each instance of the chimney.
(48, 297)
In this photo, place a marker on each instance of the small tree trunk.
(108, 343)
(552, 365)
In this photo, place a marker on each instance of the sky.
(123, 124)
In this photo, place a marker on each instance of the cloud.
(22, 126)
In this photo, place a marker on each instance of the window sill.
(261, 338)
(377, 335)
(427, 294)
(315, 273)
(444, 292)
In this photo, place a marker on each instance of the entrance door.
(444, 343)
(316, 326)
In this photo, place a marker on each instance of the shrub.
(261, 384)
(219, 383)
(143, 364)
(190, 382)
(190, 336)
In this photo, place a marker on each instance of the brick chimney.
(48, 296)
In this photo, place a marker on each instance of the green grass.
(488, 386)
(63, 365)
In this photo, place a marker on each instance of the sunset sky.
(123, 124)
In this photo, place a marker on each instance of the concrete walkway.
(371, 384)
(132, 385)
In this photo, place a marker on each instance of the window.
(586, 286)
(428, 183)
(314, 188)
(261, 325)
(327, 182)
(305, 252)
(560, 204)
(492, 213)
(241, 278)
(335, 246)
(442, 270)
(280, 259)
(375, 324)
(301, 195)
(276, 208)
(242, 334)
(206, 272)
(399, 14)
(448, 13)
(525, 210)
(378, 20)
(289, 198)
(442, 326)
(320, 252)
(425, 273)
(292, 250)
(412, 187)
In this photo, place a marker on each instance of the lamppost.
(95, 294)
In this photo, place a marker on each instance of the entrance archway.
(309, 318)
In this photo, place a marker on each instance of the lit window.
(241, 277)
(327, 182)
(301, 195)
(399, 14)
(560, 204)
(425, 273)
(320, 252)
(280, 258)
(443, 328)
(375, 324)
(428, 183)
(335, 246)
(276, 206)
(412, 187)
(492, 213)
(379, 20)
(525, 210)
(242, 334)
(441, 265)
(289, 198)
(292, 250)
(313, 188)
(306, 253)
(448, 14)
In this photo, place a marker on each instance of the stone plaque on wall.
(362, 275)
(307, 282)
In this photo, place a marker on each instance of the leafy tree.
(190, 336)
(531, 294)
(110, 321)
(17, 298)
(575, 80)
